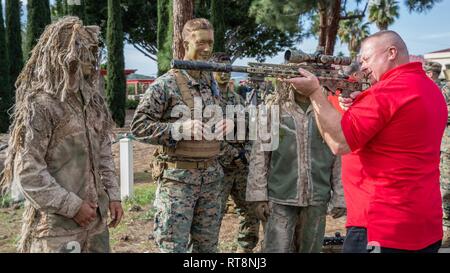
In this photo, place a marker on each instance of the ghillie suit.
(57, 70)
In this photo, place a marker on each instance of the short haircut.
(220, 57)
(433, 67)
(194, 25)
(394, 38)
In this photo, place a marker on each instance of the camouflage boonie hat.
(432, 66)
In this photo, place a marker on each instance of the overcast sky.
(423, 33)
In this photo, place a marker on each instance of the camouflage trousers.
(234, 185)
(445, 186)
(95, 239)
(294, 229)
(188, 211)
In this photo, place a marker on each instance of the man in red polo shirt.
(356, 193)
(395, 130)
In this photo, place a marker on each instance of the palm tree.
(352, 32)
(383, 13)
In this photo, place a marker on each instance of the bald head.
(382, 52)
(389, 38)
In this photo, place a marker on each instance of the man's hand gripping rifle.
(327, 68)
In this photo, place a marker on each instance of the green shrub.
(132, 104)
(5, 201)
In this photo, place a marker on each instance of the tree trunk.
(334, 17)
(14, 41)
(38, 19)
(164, 35)
(116, 84)
(5, 93)
(183, 11)
(322, 24)
(218, 21)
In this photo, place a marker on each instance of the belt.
(187, 165)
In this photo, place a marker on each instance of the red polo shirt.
(395, 128)
(356, 193)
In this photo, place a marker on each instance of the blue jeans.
(355, 240)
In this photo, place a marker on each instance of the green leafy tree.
(420, 5)
(218, 21)
(287, 15)
(5, 93)
(325, 16)
(140, 26)
(383, 13)
(164, 35)
(38, 19)
(14, 41)
(58, 9)
(116, 84)
(76, 8)
(95, 12)
(244, 35)
(139, 20)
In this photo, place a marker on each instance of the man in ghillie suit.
(60, 145)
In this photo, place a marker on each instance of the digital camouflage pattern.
(2, 158)
(187, 200)
(188, 210)
(234, 160)
(445, 160)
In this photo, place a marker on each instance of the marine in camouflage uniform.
(2, 157)
(257, 93)
(294, 185)
(234, 160)
(60, 145)
(433, 69)
(187, 202)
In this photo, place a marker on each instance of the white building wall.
(442, 57)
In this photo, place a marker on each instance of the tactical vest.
(285, 168)
(196, 149)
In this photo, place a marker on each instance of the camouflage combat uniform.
(187, 198)
(66, 158)
(444, 166)
(2, 157)
(234, 160)
(299, 179)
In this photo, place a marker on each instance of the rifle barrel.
(207, 66)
